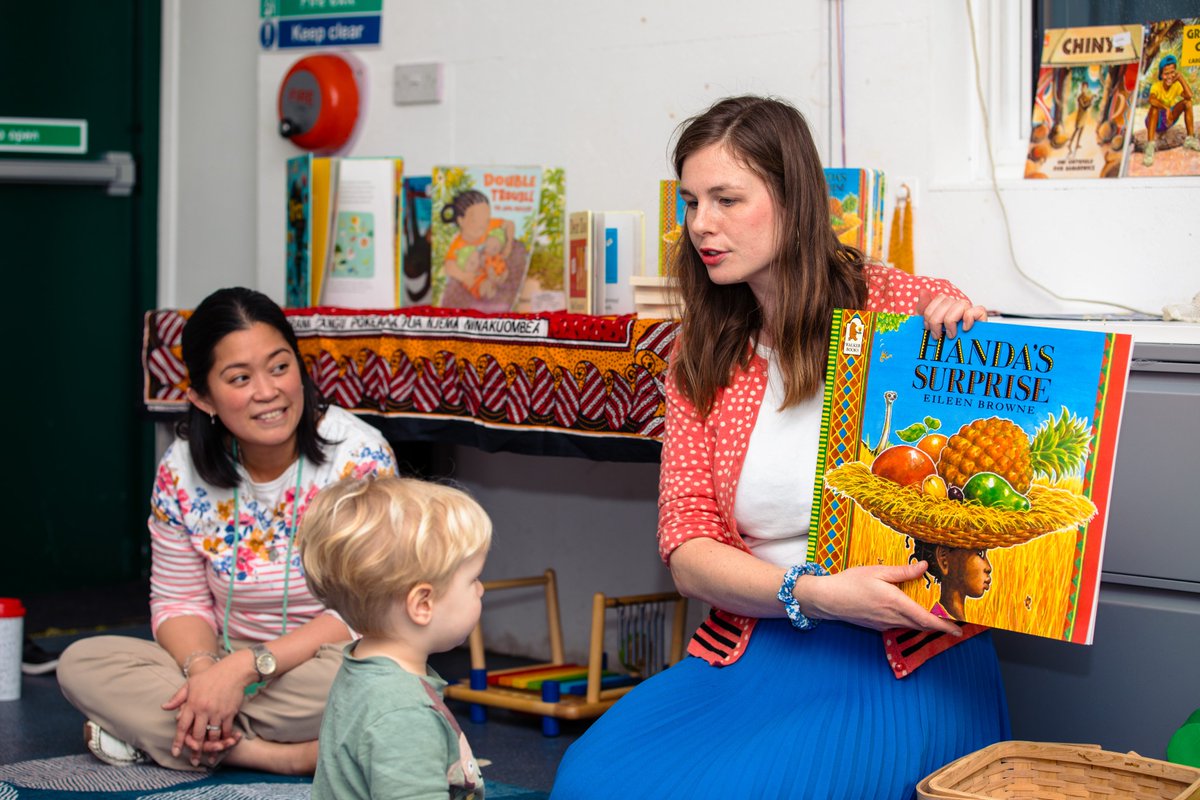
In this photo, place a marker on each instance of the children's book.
(416, 280)
(582, 245)
(1081, 107)
(485, 222)
(989, 456)
(624, 257)
(364, 270)
(309, 204)
(671, 211)
(1165, 140)
(544, 288)
(878, 198)
(856, 207)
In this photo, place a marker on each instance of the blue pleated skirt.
(799, 715)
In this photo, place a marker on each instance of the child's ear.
(419, 604)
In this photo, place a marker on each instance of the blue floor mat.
(72, 777)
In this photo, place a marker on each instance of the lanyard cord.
(237, 539)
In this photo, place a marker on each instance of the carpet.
(73, 777)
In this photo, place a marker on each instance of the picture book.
(1165, 140)
(582, 244)
(485, 221)
(624, 257)
(544, 288)
(416, 280)
(856, 198)
(879, 196)
(989, 456)
(1081, 106)
(364, 270)
(309, 200)
(299, 213)
(671, 210)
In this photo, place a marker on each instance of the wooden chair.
(557, 690)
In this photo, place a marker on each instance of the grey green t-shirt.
(388, 733)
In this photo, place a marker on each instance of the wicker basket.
(1053, 771)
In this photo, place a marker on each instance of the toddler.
(400, 560)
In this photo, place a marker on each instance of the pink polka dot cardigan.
(702, 460)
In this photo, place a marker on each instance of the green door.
(81, 268)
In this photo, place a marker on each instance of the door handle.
(116, 171)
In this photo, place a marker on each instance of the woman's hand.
(212, 696)
(868, 596)
(945, 312)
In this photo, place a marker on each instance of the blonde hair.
(365, 542)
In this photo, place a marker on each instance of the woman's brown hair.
(812, 273)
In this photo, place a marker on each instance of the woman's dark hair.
(453, 211)
(221, 313)
(811, 273)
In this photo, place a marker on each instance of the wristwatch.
(264, 661)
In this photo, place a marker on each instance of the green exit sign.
(304, 8)
(32, 135)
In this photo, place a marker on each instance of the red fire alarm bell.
(319, 103)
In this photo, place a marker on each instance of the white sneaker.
(109, 749)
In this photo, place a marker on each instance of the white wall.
(207, 223)
(599, 88)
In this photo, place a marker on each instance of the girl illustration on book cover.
(478, 255)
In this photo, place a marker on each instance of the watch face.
(264, 662)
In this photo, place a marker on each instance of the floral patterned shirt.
(192, 536)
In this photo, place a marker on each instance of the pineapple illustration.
(997, 445)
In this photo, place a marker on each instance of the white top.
(774, 494)
(192, 535)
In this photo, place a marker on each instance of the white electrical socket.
(418, 83)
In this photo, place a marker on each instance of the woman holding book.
(243, 654)
(794, 685)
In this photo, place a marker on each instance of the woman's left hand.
(206, 706)
(946, 312)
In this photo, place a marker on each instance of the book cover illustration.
(849, 206)
(671, 212)
(989, 456)
(544, 288)
(581, 262)
(363, 270)
(299, 212)
(310, 191)
(1165, 140)
(624, 257)
(484, 223)
(1082, 104)
(418, 214)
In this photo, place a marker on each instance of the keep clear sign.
(319, 23)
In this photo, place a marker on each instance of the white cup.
(12, 644)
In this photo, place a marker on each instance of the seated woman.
(768, 703)
(243, 655)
